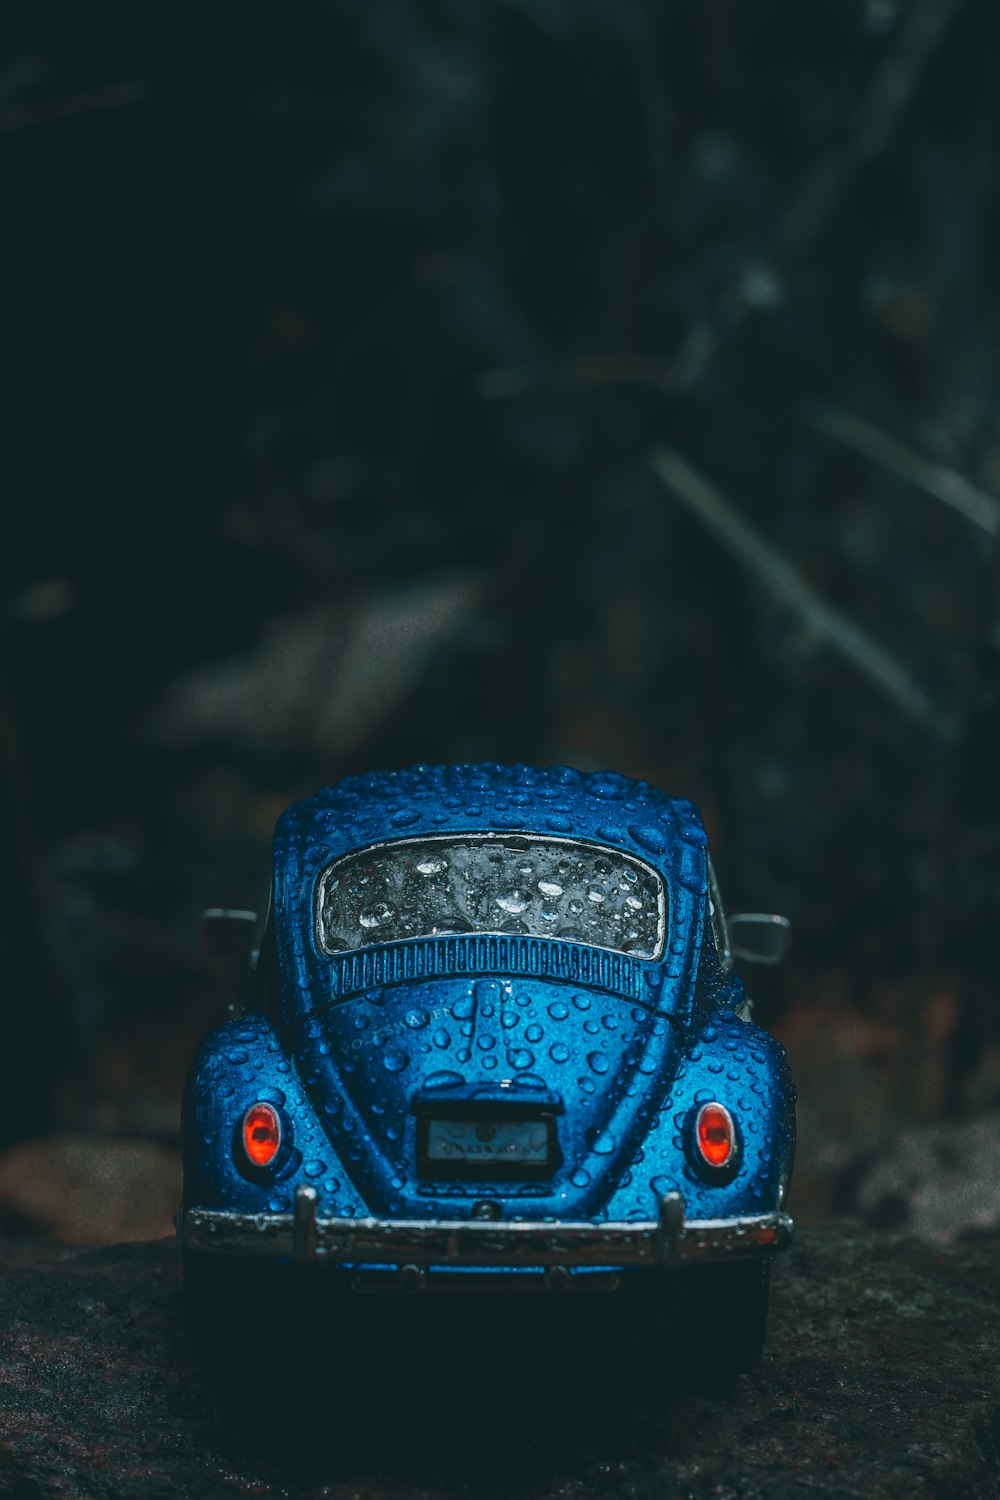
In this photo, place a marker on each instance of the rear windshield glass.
(537, 887)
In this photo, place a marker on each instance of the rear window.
(535, 887)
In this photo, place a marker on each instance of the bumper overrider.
(669, 1241)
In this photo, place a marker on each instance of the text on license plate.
(524, 1142)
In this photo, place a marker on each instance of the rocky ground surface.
(882, 1378)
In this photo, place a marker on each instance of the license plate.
(488, 1143)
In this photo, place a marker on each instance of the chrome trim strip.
(667, 1242)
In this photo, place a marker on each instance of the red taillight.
(715, 1134)
(261, 1134)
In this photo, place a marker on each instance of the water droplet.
(550, 888)
(443, 1079)
(579, 1177)
(314, 1168)
(598, 1061)
(520, 1058)
(649, 837)
(486, 1042)
(513, 901)
(533, 1033)
(587, 1085)
(395, 1059)
(431, 864)
(238, 1057)
(415, 1019)
(464, 1008)
(582, 1002)
(558, 1011)
(441, 1037)
(603, 1143)
(559, 1052)
(376, 916)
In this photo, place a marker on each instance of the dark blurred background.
(610, 382)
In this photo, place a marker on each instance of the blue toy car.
(494, 1039)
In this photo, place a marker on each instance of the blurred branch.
(789, 588)
(935, 479)
(811, 210)
(19, 116)
(598, 370)
(876, 117)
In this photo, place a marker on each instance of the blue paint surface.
(629, 1048)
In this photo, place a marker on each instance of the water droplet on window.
(513, 901)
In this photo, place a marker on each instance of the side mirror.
(759, 937)
(228, 943)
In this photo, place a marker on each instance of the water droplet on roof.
(647, 836)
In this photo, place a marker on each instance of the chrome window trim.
(717, 916)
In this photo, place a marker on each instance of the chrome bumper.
(669, 1241)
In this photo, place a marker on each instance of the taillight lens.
(715, 1135)
(261, 1135)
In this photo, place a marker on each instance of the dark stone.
(882, 1378)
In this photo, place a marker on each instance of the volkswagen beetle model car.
(494, 1037)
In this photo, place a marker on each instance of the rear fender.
(240, 1064)
(742, 1067)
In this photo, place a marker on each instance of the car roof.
(383, 806)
